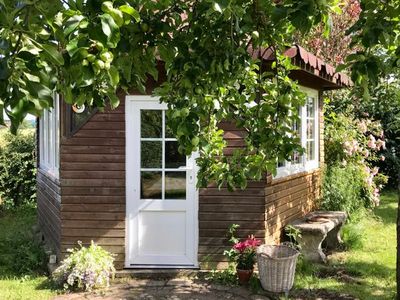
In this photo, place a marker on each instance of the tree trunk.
(398, 240)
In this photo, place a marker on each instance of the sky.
(28, 117)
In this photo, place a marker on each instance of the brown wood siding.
(293, 196)
(92, 173)
(92, 176)
(49, 206)
(218, 209)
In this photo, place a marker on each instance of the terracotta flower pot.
(244, 275)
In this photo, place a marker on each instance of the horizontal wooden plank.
(237, 193)
(91, 166)
(230, 208)
(109, 241)
(234, 216)
(241, 233)
(224, 224)
(93, 216)
(292, 199)
(103, 133)
(93, 199)
(93, 191)
(92, 233)
(95, 141)
(93, 182)
(228, 135)
(87, 149)
(222, 199)
(85, 207)
(106, 117)
(98, 158)
(89, 224)
(94, 174)
(218, 241)
(101, 125)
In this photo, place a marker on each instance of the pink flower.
(375, 171)
(241, 246)
(366, 153)
(380, 144)
(362, 127)
(251, 242)
(383, 158)
(372, 142)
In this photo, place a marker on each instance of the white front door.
(161, 195)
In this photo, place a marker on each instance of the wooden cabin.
(116, 177)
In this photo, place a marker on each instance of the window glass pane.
(296, 158)
(175, 185)
(310, 107)
(151, 154)
(168, 131)
(151, 123)
(150, 185)
(310, 128)
(281, 164)
(80, 115)
(310, 150)
(173, 159)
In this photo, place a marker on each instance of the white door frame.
(132, 137)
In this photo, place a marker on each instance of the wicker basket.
(276, 267)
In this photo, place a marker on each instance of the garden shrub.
(28, 256)
(352, 148)
(85, 268)
(21, 253)
(343, 188)
(17, 169)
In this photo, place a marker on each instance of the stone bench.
(316, 227)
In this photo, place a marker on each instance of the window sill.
(284, 172)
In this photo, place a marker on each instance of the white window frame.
(305, 164)
(49, 140)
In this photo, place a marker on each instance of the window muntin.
(163, 168)
(308, 132)
(49, 139)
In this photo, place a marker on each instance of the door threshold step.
(157, 273)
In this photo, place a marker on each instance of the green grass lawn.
(14, 285)
(368, 269)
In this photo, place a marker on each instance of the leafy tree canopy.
(88, 49)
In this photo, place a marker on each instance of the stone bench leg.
(310, 244)
(333, 239)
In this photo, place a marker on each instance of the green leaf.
(217, 7)
(114, 100)
(110, 29)
(129, 10)
(72, 23)
(124, 63)
(53, 54)
(114, 76)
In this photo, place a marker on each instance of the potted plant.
(243, 255)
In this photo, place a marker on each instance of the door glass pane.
(151, 123)
(175, 185)
(310, 150)
(173, 159)
(150, 185)
(151, 154)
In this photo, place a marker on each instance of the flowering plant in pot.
(243, 255)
